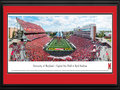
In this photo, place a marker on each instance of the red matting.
(60, 78)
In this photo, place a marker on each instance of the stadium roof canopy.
(30, 27)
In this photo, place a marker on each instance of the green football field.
(61, 45)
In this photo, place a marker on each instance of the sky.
(64, 22)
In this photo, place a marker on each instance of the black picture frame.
(58, 3)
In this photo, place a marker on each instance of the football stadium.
(59, 46)
(32, 43)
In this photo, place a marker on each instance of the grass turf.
(61, 44)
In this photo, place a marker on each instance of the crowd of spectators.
(15, 53)
(84, 49)
(34, 49)
(35, 36)
(30, 27)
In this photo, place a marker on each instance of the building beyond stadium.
(88, 31)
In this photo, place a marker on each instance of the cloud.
(104, 21)
(66, 22)
(12, 22)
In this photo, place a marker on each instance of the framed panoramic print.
(60, 43)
